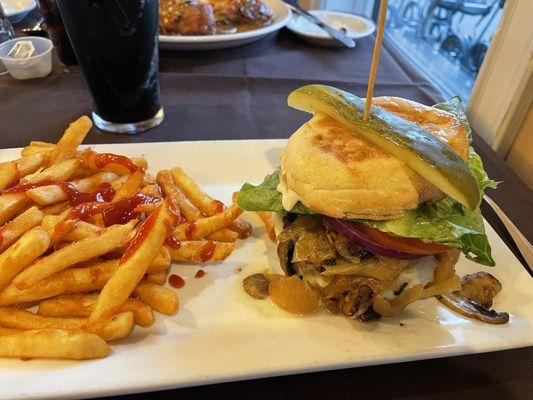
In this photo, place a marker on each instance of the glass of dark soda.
(56, 31)
(116, 43)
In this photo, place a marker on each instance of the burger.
(377, 211)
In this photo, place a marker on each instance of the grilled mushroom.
(476, 297)
(256, 285)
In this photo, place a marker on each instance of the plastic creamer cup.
(36, 66)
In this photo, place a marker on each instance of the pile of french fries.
(70, 282)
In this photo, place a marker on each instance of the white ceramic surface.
(282, 15)
(16, 10)
(356, 27)
(220, 334)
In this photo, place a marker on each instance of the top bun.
(336, 173)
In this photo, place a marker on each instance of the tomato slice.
(407, 245)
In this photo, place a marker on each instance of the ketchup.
(190, 227)
(199, 273)
(103, 193)
(139, 237)
(176, 281)
(121, 212)
(101, 160)
(24, 187)
(219, 206)
(171, 242)
(84, 211)
(207, 251)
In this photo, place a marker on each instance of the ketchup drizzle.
(24, 187)
(219, 206)
(144, 230)
(207, 251)
(103, 159)
(122, 211)
(103, 193)
(199, 273)
(176, 281)
(190, 227)
(171, 242)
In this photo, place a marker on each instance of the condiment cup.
(35, 66)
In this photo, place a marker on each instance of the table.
(241, 94)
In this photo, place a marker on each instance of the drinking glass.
(116, 43)
(56, 31)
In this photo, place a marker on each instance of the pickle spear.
(433, 159)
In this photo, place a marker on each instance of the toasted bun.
(336, 173)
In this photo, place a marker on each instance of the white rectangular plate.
(220, 334)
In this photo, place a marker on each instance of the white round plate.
(357, 27)
(282, 15)
(16, 10)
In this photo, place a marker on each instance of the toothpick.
(375, 58)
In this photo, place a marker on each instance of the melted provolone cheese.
(420, 273)
(289, 197)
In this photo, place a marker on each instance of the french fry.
(50, 194)
(159, 278)
(161, 262)
(61, 171)
(39, 143)
(80, 229)
(55, 209)
(266, 217)
(131, 186)
(68, 144)
(117, 328)
(9, 331)
(16, 318)
(53, 343)
(86, 249)
(201, 251)
(159, 298)
(11, 204)
(206, 226)
(21, 254)
(81, 305)
(12, 171)
(33, 150)
(152, 190)
(165, 180)
(136, 260)
(83, 230)
(195, 194)
(9, 173)
(223, 235)
(120, 165)
(140, 162)
(75, 280)
(146, 208)
(19, 225)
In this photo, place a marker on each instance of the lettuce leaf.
(265, 197)
(445, 222)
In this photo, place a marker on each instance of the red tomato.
(407, 245)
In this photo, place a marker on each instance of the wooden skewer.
(375, 58)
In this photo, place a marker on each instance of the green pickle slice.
(433, 159)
